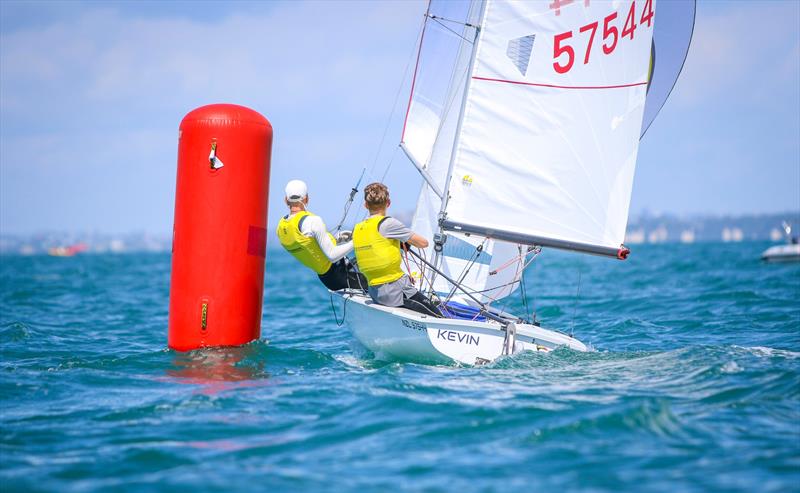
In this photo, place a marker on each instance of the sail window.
(519, 51)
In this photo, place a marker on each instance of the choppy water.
(694, 385)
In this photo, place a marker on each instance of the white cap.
(296, 191)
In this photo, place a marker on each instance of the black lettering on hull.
(453, 336)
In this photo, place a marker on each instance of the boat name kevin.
(450, 335)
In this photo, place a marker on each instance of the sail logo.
(453, 336)
(519, 52)
(466, 181)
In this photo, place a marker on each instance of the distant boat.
(789, 252)
(69, 251)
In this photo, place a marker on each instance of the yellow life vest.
(378, 257)
(302, 247)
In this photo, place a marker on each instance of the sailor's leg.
(421, 304)
(355, 279)
(336, 277)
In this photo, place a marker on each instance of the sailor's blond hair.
(376, 195)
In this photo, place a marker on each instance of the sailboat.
(524, 121)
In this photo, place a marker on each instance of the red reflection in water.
(219, 369)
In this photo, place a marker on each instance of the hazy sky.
(92, 93)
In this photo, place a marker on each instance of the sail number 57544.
(564, 53)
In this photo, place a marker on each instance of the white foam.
(731, 367)
(770, 352)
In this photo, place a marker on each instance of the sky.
(92, 94)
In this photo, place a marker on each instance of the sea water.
(693, 384)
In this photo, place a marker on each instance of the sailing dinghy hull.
(400, 334)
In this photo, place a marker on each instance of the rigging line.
(487, 313)
(344, 312)
(423, 271)
(460, 23)
(492, 289)
(495, 288)
(466, 269)
(423, 276)
(522, 290)
(416, 67)
(493, 299)
(349, 201)
(396, 99)
(533, 296)
(575, 308)
(436, 20)
(507, 264)
(429, 278)
(365, 212)
(389, 166)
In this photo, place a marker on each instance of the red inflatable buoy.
(219, 235)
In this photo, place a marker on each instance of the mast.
(456, 141)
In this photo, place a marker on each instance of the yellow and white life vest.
(303, 248)
(378, 257)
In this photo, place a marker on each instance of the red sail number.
(589, 27)
(558, 50)
(630, 22)
(608, 30)
(647, 13)
(564, 54)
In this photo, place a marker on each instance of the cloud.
(105, 88)
(296, 54)
(750, 49)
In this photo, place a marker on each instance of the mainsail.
(524, 119)
(547, 156)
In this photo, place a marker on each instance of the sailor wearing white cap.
(305, 236)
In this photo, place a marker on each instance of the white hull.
(782, 253)
(401, 334)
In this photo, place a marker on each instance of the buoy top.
(225, 112)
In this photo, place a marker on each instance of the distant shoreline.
(646, 228)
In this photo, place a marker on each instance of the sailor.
(305, 236)
(377, 244)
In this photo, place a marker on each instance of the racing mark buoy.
(219, 234)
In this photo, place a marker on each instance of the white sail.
(429, 133)
(551, 123)
(421, 129)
